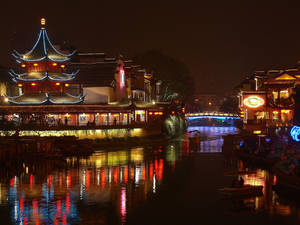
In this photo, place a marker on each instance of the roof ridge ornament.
(43, 23)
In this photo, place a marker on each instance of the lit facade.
(50, 94)
(266, 99)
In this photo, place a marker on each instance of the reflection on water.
(44, 193)
(213, 139)
(270, 203)
(108, 185)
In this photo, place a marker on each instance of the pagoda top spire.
(43, 23)
(43, 49)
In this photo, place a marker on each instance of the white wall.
(96, 95)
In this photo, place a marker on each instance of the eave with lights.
(43, 76)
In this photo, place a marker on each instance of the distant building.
(207, 102)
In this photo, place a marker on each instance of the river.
(166, 184)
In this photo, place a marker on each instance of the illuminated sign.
(295, 133)
(254, 101)
(122, 78)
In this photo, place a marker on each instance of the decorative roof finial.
(43, 23)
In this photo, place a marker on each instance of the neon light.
(254, 101)
(212, 117)
(49, 42)
(36, 43)
(122, 78)
(295, 133)
(44, 43)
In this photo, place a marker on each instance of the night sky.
(220, 41)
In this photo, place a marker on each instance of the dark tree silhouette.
(230, 104)
(176, 78)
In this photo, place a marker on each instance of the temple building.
(53, 88)
(43, 76)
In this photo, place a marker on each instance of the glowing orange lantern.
(62, 66)
(67, 85)
(33, 84)
(150, 113)
(54, 64)
(23, 65)
(20, 85)
(35, 64)
(254, 101)
(57, 84)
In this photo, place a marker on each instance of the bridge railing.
(213, 114)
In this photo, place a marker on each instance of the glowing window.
(284, 94)
(275, 115)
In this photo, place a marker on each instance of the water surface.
(167, 184)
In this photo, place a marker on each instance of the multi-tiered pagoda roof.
(43, 50)
(44, 79)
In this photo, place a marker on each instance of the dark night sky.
(220, 41)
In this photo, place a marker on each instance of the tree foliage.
(230, 104)
(174, 74)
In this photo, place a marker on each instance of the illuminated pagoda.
(44, 78)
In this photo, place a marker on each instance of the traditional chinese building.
(43, 77)
(266, 98)
(53, 95)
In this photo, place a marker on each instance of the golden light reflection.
(137, 154)
(81, 134)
